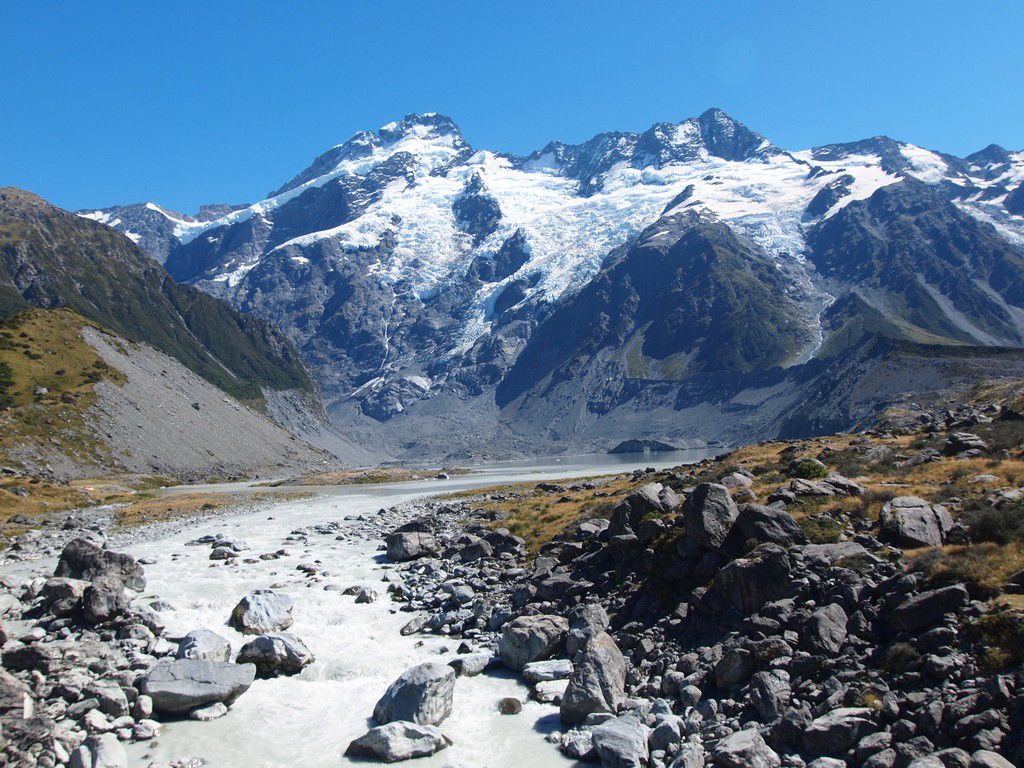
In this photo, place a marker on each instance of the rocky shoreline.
(692, 626)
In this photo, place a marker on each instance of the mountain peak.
(421, 125)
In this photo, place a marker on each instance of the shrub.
(821, 529)
(999, 524)
(900, 657)
(1001, 635)
(809, 470)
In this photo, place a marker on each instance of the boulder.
(208, 712)
(985, 758)
(510, 705)
(274, 655)
(745, 749)
(104, 599)
(398, 740)
(927, 609)
(736, 480)
(63, 596)
(585, 621)
(184, 684)
(825, 630)
(708, 515)
(531, 638)
(768, 524)
(621, 742)
(734, 667)
(422, 695)
(958, 442)
(552, 669)
(837, 731)
(410, 545)
(598, 680)
(770, 693)
(101, 750)
(262, 611)
(81, 559)
(909, 521)
(204, 645)
(470, 664)
(748, 583)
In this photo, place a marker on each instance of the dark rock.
(274, 655)
(598, 680)
(184, 684)
(81, 559)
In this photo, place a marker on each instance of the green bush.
(900, 657)
(1002, 637)
(809, 470)
(1001, 525)
(821, 529)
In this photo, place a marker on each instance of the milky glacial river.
(308, 720)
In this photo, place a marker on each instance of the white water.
(309, 719)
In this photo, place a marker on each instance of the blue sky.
(186, 102)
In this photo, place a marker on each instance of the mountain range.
(692, 283)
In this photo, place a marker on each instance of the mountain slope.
(51, 258)
(425, 280)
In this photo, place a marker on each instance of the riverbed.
(308, 720)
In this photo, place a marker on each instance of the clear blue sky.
(191, 102)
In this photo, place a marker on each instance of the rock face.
(530, 638)
(909, 521)
(622, 743)
(598, 680)
(274, 655)
(708, 514)
(745, 749)
(398, 741)
(185, 684)
(422, 695)
(262, 611)
(82, 559)
(204, 645)
(410, 545)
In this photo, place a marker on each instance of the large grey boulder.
(81, 559)
(708, 515)
(745, 749)
(101, 750)
(184, 684)
(204, 645)
(837, 731)
(770, 693)
(262, 611)
(825, 631)
(399, 740)
(531, 638)
(763, 524)
(422, 694)
(748, 583)
(104, 599)
(585, 621)
(410, 545)
(598, 680)
(985, 758)
(622, 742)
(551, 669)
(274, 655)
(910, 521)
(927, 609)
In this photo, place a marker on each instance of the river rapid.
(308, 720)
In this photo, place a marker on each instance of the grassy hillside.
(52, 258)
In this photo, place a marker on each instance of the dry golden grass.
(366, 476)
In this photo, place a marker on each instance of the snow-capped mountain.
(419, 276)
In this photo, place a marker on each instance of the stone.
(208, 712)
(770, 693)
(104, 599)
(708, 515)
(745, 749)
(622, 742)
(837, 731)
(262, 611)
(585, 621)
(549, 691)
(910, 521)
(471, 664)
(927, 609)
(736, 480)
(422, 695)
(734, 667)
(552, 669)
(81, 559)
(99, 751)
(397, 741)
(985, 758)
(750, 582)
(275, 655)
(410, 545)
(762, 524)
(577, 744)
(825, 631)
(531, 638)
(510, 706)
(958, 442)
(690, 755)
(365, 596)
(598, 680)
(182, 685)
(110, 698)
(204, 645)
